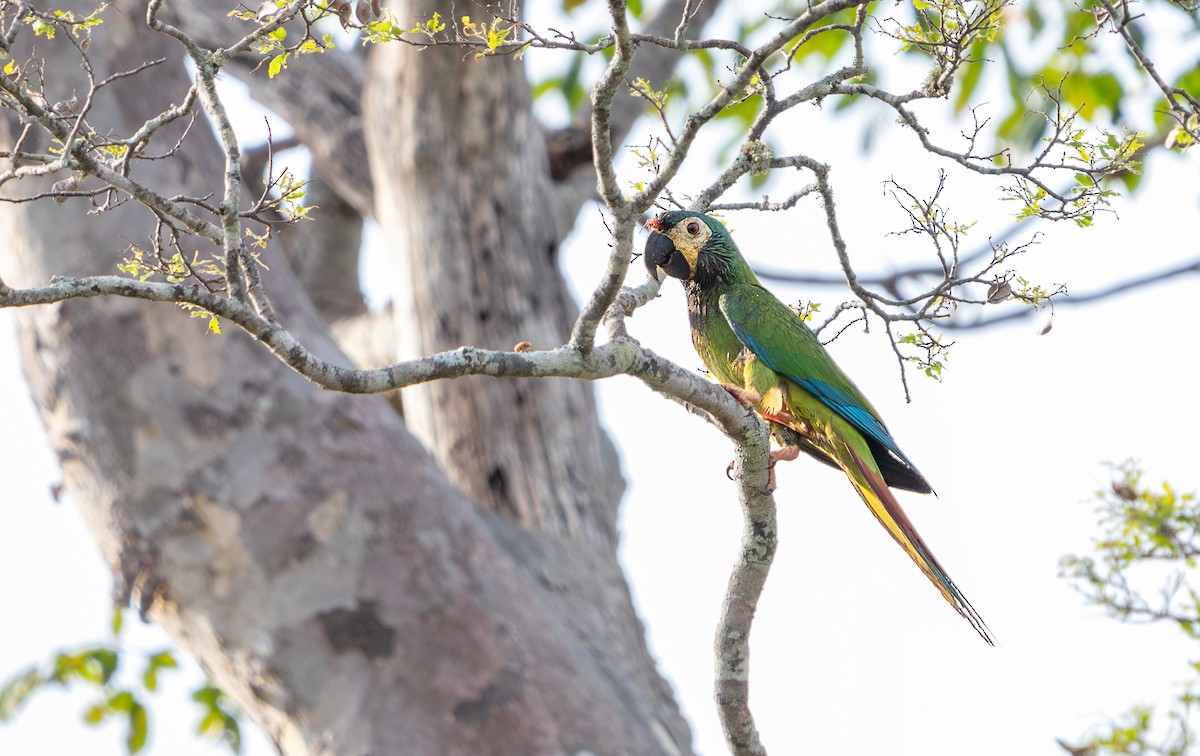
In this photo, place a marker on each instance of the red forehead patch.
(655, 223)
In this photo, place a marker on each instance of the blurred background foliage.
(1143, 570)
(1037, 49)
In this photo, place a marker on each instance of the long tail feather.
(882, 503)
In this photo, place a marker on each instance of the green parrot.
(767, 358)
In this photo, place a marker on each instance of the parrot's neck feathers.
(720, 265)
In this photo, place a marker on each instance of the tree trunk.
(462, 190)
(303, 544)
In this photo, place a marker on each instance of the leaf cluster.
(1148, 535)
(96, 668)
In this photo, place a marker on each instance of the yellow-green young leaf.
(95, 714)
(42, 28)
(16, 690)
(10, 68)
(496, 34)
(278, 63)
(211, 724)
(138, 729)
(161, 660)
(122, 701)
(118, 617)
(99, 665)
(214, 326)
(1178, 138)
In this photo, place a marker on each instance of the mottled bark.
(303, 544)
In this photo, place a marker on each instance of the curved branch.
(621, 355)
(759, 540)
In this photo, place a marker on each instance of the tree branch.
(1121, 287)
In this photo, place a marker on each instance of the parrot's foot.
(786, 454)
(745, 397)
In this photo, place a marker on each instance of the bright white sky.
(852, 650)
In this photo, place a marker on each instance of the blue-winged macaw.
(763, 353)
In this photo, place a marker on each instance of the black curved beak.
(661, 253)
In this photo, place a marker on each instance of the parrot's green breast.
(716, 343)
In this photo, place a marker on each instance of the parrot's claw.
(770, 487)
(745, 397)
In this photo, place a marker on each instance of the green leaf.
(95, 665)
(207, 695)
(104, 661)
(220, 719)
(161, 660)
(122, 700)
(138, 729)
(95, 714)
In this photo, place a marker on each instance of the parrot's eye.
(693, 228)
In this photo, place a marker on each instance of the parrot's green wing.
(777, 336)
(780, 340)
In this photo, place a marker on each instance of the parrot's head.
(691, 246)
